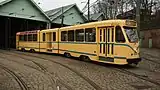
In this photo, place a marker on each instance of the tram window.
(80, 35)
(44, 37)
(34, 37)
(21, 37)
(119, 35)
(108, 35)
(25, 37)
(90, 35)
(100, 35)
(54, 36)
(64, 36)
(104, 35)
(71, 35)
(112, 34)
(30, 37)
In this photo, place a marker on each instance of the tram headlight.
(133, 54)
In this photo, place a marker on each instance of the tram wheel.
(32, 50)
(68, 55)
(23, 50)
(133, 64)
(84, 58)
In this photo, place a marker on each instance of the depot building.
(19, 15)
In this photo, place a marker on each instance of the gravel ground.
(54, 72)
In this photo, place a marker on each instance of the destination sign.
(131, 23)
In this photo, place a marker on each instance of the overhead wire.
(85, 9)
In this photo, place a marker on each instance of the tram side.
(49, 41)
(111, 41)
(27, 40)
(114, 42)
(78, 41)
(38, 41)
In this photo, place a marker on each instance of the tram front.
(126, 43)
(132, 41)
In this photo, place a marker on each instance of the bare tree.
(112, 8)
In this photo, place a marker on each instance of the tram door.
(49, 41)
(106, 40)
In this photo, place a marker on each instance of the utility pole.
(122, 7)
(138, 2)
(111, 3)
(88, 10)
(62, 18)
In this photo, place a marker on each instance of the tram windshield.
(131, 34)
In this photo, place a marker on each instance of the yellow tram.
(109, 41)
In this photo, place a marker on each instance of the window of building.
(44, 37)
(90, 35)
(54, 36)
(34, 37)
(119, 34)
(64, 36)
(71, 35)
(80, 35)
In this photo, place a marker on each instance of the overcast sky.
(51, 4)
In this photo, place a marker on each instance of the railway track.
(50, 76)
(151, 60)
(20, 82)
(120, 69)
(123, 70)
(18, 54)
(43, 70)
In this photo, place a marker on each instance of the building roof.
(55, 13)
(127, 14)
(4, 2)
(32, 2)
(94, 16)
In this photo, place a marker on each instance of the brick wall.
(153, 34)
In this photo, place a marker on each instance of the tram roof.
(27, 32)
(99, 24)
(50, 30)
(104, 23)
